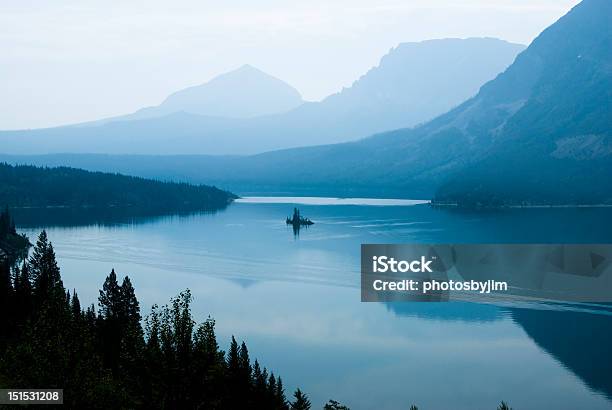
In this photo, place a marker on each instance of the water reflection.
(109, 216)
(578, 336)
(296, 302)
(448, 311)
(580, 341)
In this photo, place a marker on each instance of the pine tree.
(109, 302)
(503, 406)
(75, 307)
(6, 284)
(45, 273)
(233, 359)
(90, 316)
(205, 341)
(259, 382)
(110, 297)
(301, 401)
(244, 365)
(153, 356)
(209, 366)
(23, 293)
(7, 300)
(271, 388)
(129, 309)
(5, 223)
(182, 324)
(279, 396)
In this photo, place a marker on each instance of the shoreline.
(456, 205)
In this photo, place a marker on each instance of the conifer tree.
(5, 223)
(271, 385)
(109, 303)
(244, 364)
(182, 324)
(205, 341)
(233, 360)
(110, 297)
(279, 396)
(7, 313)
(209, 365)
(259, 381)
(44, 271)
(301, 401)
(23, 292)
(129, 309)
(75, 306)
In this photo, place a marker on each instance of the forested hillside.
(105, 358)
(29, 186)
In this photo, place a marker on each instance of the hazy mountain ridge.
(501, 145)
(409, 86)
(539, 133)
(242, 93)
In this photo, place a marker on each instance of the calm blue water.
(295, 300)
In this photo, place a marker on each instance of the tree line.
(30, 186)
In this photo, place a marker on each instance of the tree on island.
(298, 220)
(334, 405)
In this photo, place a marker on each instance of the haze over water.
(295, 300)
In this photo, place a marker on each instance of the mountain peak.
(241, 93)
(248, 67)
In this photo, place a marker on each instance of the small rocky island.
(297, 221)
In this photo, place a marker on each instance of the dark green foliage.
(300, 401)
(106, 360)
(40, 187)
(413, 407)
(7, 299)
(13, 246)
(46, 281)
(7, 224)
(504, 406)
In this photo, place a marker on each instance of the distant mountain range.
(247, 111)
(243, 93)
(539, 133)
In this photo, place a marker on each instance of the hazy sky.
(64, 61)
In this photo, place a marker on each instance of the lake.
(295, 299)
